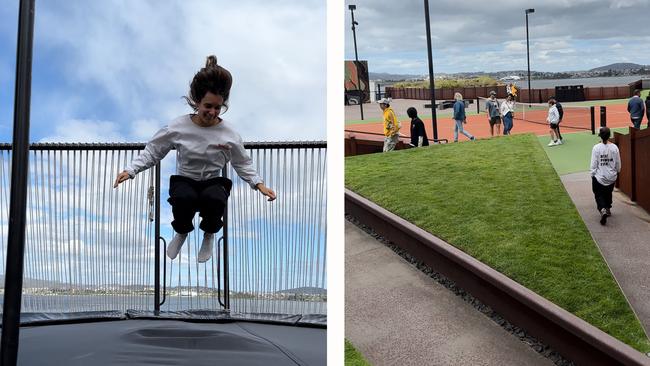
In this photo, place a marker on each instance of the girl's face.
(209, 109)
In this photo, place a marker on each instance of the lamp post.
(434, 121)
(528, 11)
(356, 57)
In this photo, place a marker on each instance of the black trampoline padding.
(171, 342)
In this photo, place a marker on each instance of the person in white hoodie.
(205, 143)
(605, 166)
(553, 120)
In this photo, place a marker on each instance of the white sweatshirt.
(553, 115)
(201, 151)
(507, 106)
(605, 163)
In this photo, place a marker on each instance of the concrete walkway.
(396, 315)
(624, 241)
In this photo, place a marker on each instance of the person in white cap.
(391, 125)
(205, 144)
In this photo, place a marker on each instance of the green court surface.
(575, 154)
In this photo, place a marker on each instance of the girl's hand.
(268, 192)
(121, 178)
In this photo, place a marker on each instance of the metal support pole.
(226, 267)
(18, 194)
(157, 246)
(530, 95)
(434, 120)
(356, 58)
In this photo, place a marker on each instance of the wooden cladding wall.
(635, 158)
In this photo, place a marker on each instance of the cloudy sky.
(491, 35)
(116, 70)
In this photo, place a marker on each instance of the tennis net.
(575, 117)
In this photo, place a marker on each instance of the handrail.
(139, 145)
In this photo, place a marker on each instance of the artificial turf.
(501, 201)
(353, 357)
(575, 154)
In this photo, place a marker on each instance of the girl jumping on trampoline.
(205, 143)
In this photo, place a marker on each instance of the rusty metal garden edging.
(571, 336)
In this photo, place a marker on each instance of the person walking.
(205, 143)
(605, 166)
(636, 108)
(460, 118)
(560, 112)
(493, 113)
(391, 125)
(418, 132)
(553, 119)
(508, 113)
(647, 109)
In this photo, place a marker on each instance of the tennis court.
(575, 119)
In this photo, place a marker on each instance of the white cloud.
(140, 57)
(85, 131)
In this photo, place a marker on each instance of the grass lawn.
(501, 201)
(353, 357)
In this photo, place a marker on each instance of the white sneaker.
(559, 142)
(552, 143)
(175, 245)
(205, 253)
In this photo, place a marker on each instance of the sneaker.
(473, 138)
(205, 253)
(603, 216)
(559, 142)
(175, 245)
(608, 212)
(552, 143)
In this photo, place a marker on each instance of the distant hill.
(391, 77)
(619, 66)
(305, 291)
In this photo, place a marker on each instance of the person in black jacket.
(418, 132)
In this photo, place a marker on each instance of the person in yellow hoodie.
(391, 125)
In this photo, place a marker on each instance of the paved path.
(624, 241)
(396, 315)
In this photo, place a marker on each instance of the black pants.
(188, 196)
(602, 194)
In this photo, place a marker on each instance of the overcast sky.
(115, 70)
(491, 35)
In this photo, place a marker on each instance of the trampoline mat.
(171, 342)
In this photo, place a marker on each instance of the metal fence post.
(226, 267)
(18, 197)
(157, 245)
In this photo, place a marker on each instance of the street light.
(434, 121)
(528, 11)
(356, 57)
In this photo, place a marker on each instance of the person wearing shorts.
(494, 113)
(553, 120)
